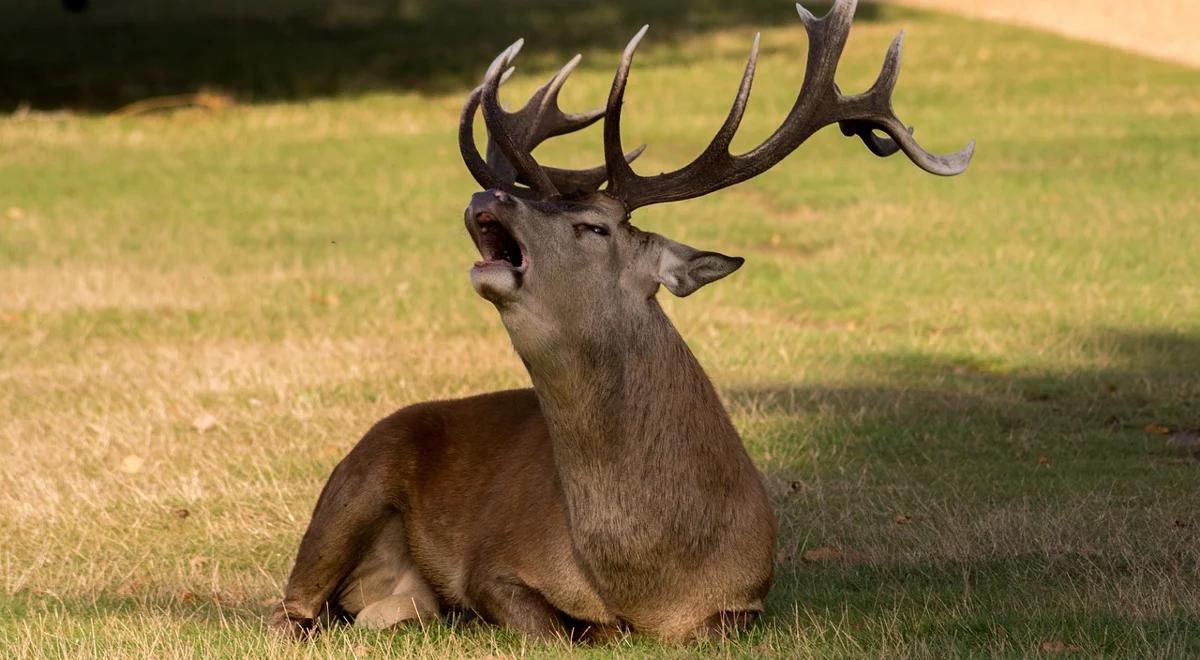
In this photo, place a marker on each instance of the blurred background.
(231, 240)
(102, 54)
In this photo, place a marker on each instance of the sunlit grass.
(948, 382)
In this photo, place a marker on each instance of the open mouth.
(497, 245)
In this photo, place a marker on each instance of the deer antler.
(512, 136)
(819, 104)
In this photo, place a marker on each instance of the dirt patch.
(1165, 29)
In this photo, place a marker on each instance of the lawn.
(970, 397)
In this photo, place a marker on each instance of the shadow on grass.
(1081, 462)
(432, 45)
(1146, 378)
(1011, 607)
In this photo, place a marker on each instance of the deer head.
(557, 250)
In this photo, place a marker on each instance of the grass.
(963, 393)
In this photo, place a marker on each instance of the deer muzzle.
(497, 275)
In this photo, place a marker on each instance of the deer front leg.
(514, 605)
(387, 588)
(350, 514)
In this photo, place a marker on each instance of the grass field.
(969, 396)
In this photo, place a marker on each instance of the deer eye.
(595, 229)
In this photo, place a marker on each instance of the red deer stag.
(615, 494)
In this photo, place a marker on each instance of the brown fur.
(614, 495)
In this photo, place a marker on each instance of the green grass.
(949, 381)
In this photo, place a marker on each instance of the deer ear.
(684, 269)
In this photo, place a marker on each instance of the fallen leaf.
(181, 513)
(204, 422)
(1044, 460)
(187, 596)
(821, 554)
(132, 464)
(1157, 429)
(902, 519)
(1059, 646)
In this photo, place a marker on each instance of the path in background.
(1165, 29)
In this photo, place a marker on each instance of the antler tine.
(734, 119)
(818, 104)
(709, 162)
(879, 145)
(876, 107)
(620, 174)
(466, 144)
(479, 168)
(543, 117)
(514, 135)
(889, 73)
(519, 156)
(826, 41)
(476, 165)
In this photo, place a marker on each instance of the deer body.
(616, 494)
(604, 508)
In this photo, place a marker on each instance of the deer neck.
(634, 391)
(643, 447)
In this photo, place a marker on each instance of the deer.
(615, 495)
